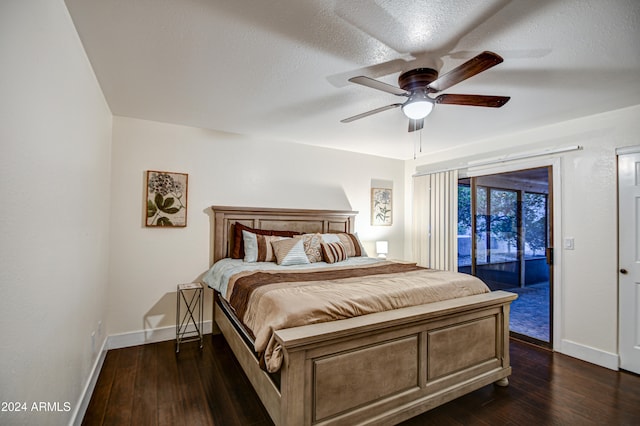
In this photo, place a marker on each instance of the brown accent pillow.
(237, 251)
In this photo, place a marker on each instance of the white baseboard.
(117, 341)
(142, 337)
(586, 353)
(85, 396)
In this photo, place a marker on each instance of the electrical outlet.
(93, 341)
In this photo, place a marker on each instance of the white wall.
(55, 141)
(74, 252)
(224, 169)
(588, 287)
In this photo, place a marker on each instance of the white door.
(629, 268)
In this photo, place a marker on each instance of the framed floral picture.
(166, 199)
(381, 206)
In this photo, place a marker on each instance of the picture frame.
(166, 199)
(381, 206)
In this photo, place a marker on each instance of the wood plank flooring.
(151, 385)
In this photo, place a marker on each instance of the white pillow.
(250, 246)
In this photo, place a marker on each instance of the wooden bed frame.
(377, 369)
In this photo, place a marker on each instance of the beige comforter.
(266, 301)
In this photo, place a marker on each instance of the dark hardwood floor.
(151, 385)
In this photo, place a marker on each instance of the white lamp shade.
(382, 248)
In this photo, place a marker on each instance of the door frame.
(555, 184)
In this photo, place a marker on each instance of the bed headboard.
(305, 221)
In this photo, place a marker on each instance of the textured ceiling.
(278, 69)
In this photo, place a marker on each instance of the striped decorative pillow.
(257, 248)
(334, 252)
(290, 252)
(351, 243)
(238, 238)
(265, 249)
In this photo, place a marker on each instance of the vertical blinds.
(435, 220)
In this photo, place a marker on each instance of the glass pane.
(504, 226)
(497, 261)
(482, 231)
(464, 226)
(535, 224)
(536, 231)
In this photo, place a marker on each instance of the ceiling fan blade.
(473, 100)
(368, 113)
(416, 124)
(375, 84)
(473, 66)
(373, 71)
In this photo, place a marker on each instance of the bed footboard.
(387, 367)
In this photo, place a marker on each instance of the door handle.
(624, 271)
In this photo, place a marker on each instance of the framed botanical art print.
(166, 199)
(381, 204)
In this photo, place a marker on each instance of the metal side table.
(189, 324)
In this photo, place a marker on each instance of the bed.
(379, 368)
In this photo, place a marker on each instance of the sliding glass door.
(504, 238)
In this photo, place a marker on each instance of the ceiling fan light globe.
(418, 109)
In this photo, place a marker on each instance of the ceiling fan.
(417, 84)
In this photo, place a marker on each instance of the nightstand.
(190, 296)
